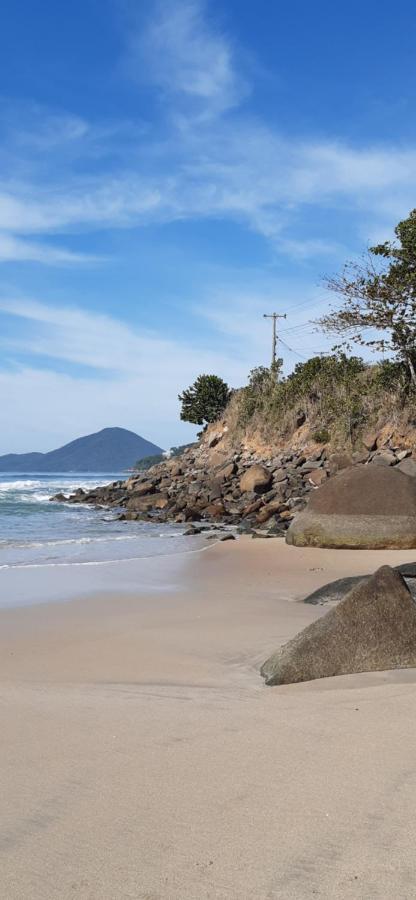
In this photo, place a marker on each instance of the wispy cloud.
(186, 57)
(130, 370)
(15, 249)
(228, 166)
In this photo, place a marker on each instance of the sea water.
(38, 532)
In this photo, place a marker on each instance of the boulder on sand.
(367, 507)
(372, 629)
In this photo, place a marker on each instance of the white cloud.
(185, 57)
(14, 249)
(134, 380)
(134, 374)
(227, 166)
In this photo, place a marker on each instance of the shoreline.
(143, 756)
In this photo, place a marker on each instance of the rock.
(131, 483)
(334, 591)
(60, 497)
(217, 459)
(214, 491)
(146, 487)
(384, 458)
(269, 510)
(190, 514)
(371, 630)
(226, 471)
(317, 477)
(370, 440)
(160, 501)
(402, 454)
(251, 508)
(190, 532)
(256, 478)
(215, 510)
(227, 537)
(360, 457)
(214, 439)
(339, 461)
(408, 467)
(367, 507)
(311, 464)
(140, 504)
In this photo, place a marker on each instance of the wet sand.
(142, 756)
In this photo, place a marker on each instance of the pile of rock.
(240, 488)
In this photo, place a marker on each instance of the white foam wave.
(106, 562)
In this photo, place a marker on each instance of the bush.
(321, 436)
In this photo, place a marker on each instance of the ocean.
(35, 532)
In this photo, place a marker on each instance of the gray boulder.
(372, 629)
(408, 467)
(367, 507)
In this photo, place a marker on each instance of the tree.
(205, 400)
(379, 295)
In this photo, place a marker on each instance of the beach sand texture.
(142, 756)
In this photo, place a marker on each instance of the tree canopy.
(205, 400)
(379, 297)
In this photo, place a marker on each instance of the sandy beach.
(142, 756)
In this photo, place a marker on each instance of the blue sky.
(168, 172)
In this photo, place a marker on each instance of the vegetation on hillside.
(336, 396)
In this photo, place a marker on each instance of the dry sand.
(142, 757)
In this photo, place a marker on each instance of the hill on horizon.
(108, 450)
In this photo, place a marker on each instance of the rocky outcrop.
(372, 629)
(214, 482)
(366, 507)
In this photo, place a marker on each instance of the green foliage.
(327, 389)
(205, 400)
(392, 376)
(379, 298)
(148, 461)
(261, 383)
(321, 436)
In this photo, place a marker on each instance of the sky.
(170, 170)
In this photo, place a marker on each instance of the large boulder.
(372, 629)
(256, 478)
(368, 507)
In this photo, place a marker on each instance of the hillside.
(109, 450)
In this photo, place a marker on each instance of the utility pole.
(274, 316)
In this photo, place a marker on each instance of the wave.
(31, 545)
(106, 562)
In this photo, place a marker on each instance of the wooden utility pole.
(274, 317)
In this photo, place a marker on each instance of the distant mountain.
(109, 450)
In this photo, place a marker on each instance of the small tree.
(205, 400)
(380, 298)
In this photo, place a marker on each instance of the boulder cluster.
(237, 487)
